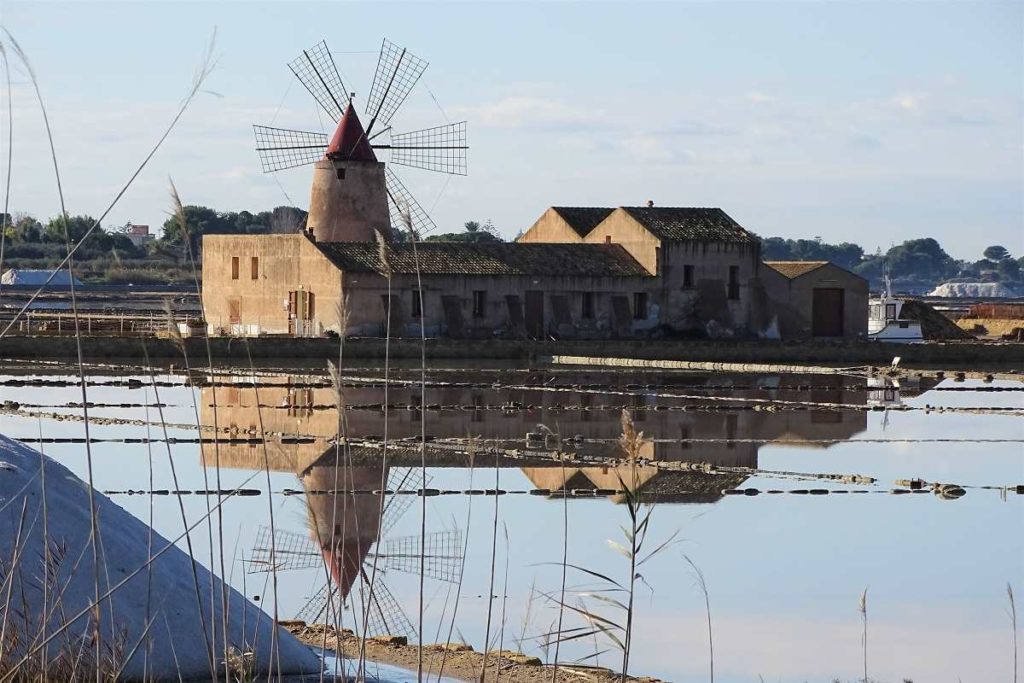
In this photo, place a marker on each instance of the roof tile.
(794, 269)
(681, 224)
(502, 258)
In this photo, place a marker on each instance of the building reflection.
(718, 426)
(713, 436)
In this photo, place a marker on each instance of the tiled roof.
(582, 219)
(793, 269)
(501, 258)
(685, 224)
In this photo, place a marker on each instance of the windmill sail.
(281, 148)
(441, 149)
(442, 551)
(386, 616)
(398, 70)
(316, 608)
(316, 70)
(404, 206)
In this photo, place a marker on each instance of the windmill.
(295, 551)
(441, 148)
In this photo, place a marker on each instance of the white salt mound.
(176, 643)
(972, 290)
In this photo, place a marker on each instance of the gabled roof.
(349, 142)
(681, 224)
(794, 269)
(502, 258)
(582, 219)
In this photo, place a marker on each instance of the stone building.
(705, 264)
(815, 299)
(578, 272)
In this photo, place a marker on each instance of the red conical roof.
(350, 142)
(345, 562)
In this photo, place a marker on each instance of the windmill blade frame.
(398, 70)
(281, 148)
(442, 553)
(317, 604)
(400, 200)
(386, 616)
(316, 70)
(441, 148)
(399, 479)
(290, 550)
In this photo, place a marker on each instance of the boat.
(885, 321)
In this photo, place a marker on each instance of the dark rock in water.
(949, 491)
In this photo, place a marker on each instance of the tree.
(475, 234)
(996, 252)
(921, 259)
(845, 254)
(27, 229)
(1009, 269)
(77, 226)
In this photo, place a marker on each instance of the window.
(234, 267)
(254, 267)
(417, 303)
(587, 309)
(734, 282)
(640, 306)
(607, 239)
(688, 276)
(479, 304)
(890, 311)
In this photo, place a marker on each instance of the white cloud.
(907, 101)
(527, 111)
(760, 97)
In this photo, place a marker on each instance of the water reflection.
(301, 422)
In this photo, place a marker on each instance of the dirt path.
(460, 661)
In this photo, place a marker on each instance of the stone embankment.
(950, 355)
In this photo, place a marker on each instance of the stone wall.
(248, 305)
(448, 303)
(550, 227)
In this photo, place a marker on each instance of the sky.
(869, 122)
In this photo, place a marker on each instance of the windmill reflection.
(349, 517)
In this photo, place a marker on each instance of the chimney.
(650, 203)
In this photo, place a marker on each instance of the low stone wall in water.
(965, 355)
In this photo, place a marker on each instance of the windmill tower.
(348, 535)
(353, 194)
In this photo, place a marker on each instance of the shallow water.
(784, 571)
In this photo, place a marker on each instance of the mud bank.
(460, 661)
(950, 355)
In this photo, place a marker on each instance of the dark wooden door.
(535, 314)
(827, 312)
